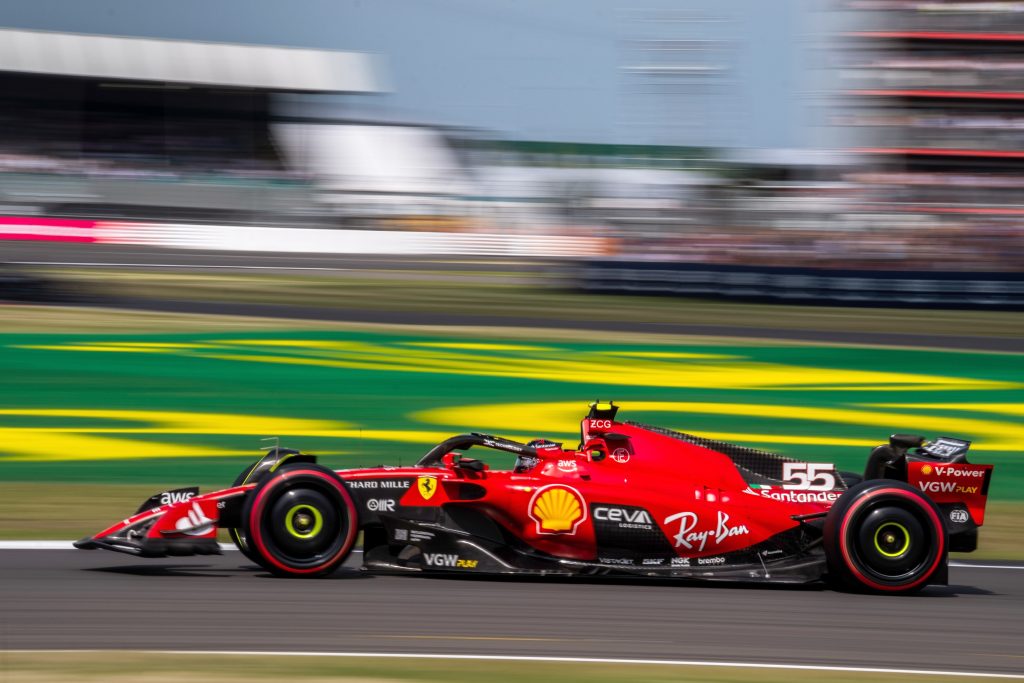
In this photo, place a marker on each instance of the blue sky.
(528, 69)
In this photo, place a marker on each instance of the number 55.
(807, 476)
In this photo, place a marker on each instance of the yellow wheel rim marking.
(879, 535)
(289, 521)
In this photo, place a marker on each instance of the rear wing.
(940, 470)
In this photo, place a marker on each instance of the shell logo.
(557, 509)
(927, 469)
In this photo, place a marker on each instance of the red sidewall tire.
(842, 526)
(276, 485)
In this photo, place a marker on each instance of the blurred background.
(851, 134)
(595, 175)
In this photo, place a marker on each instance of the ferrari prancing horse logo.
(426, 486)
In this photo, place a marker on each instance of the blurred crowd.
(932, 181)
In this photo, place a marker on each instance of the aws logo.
(557, 509)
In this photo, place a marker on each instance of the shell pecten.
(557, 510)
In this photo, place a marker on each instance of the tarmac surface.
(57, 599)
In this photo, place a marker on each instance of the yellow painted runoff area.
(645, 368)
(79, 406)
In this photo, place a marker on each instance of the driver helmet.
(525, 463)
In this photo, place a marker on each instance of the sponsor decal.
(418, 536)
(680, 562)
(504, 445)
(947, 487)
(378, 484)
(557, 509)
(427, 486)
(946, 447)
(953, 479)
(615, 560)
(826, 497)
(809, 476)
(380, 505)
(954, 471)
(195, 523)
(958, 516)
(626, 519)
(600, 424)
(178, 496)
(690, 536)
(449, 560)
(653, 561)
(401, 534)
(567, 464)
(620, 455)
(711, 560)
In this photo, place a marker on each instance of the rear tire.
(300, 521)
(884, 536)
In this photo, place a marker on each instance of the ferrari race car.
(631, 499)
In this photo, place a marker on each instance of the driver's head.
(525, 463)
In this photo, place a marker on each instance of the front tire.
(300, 521)
(884, 536)
(236, 534)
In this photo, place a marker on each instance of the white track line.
(63, 545)
(968, 565)
(564, 660)
(67, 545)
(168, 265)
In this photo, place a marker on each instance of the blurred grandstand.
(936, 93)
(168, 133)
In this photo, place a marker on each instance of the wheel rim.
(891, 542)
(303, 525)
(303, 521)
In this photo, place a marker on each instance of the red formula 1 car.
(631, 499)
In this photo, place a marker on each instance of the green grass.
(487, 294)
(132, 667)
(122, 408)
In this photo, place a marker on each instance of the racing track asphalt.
(56, 599)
